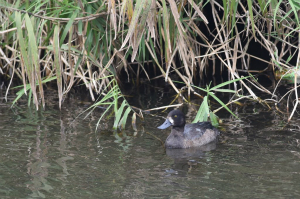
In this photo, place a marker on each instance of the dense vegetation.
(96, 43)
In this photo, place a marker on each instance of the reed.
(95, 42)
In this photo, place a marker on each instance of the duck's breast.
(175, 139)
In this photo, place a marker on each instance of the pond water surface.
(51, 154)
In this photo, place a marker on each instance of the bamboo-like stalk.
(94, 44)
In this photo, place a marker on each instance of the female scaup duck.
(187, 135)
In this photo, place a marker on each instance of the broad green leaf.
(34, 57)
(213, 119)
(118, 114)
(203, 111)
(122, 123)
(67, 28)
(23, 48)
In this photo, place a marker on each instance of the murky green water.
(48, 154)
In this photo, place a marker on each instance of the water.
(51, 154)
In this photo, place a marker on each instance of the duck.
(187, 135)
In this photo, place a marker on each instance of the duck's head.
(175, 118)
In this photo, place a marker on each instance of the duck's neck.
(178, 128)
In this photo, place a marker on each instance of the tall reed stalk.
(96, 42)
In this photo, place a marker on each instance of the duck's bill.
(165, 125)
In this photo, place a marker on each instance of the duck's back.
(199, 134)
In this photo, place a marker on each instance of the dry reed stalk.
(169, 30)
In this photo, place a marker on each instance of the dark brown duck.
(187, 135)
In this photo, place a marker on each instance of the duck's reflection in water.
(185, 159)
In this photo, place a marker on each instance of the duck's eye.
(175, 115)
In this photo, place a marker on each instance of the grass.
(93, 43)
